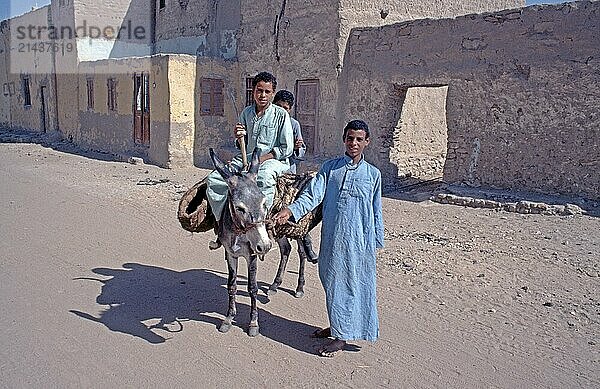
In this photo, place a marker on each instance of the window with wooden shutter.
(112, 94)
(90, 94)
(249, 91)
(211, 98)
(26, 92)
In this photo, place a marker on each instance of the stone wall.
(521, 105)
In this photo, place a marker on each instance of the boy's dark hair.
(264, 77)
(357, 125)
(285, 96)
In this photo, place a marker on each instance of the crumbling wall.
(363, 13)
(521, 104)
(372, 13)
(206, 28)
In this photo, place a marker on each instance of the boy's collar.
(266, 109)
(350, 162)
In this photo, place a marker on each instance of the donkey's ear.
(254, 164)
(219, 165)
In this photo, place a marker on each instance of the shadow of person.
(151, 302)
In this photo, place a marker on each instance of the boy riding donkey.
(266, 127)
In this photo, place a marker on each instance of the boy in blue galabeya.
(352, 230)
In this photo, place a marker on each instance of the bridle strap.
(238, 226)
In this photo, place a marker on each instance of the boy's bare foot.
(214, 244)
(321, 333)
(332, 348)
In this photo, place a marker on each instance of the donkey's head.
(246, 209)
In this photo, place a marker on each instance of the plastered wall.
(522, 108)
(22, 56)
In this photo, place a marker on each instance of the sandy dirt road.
(101, 287)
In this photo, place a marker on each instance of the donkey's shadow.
(153, 303)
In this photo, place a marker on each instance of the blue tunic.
(271, 132)
(352, 229)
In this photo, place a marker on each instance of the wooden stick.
(242, 142)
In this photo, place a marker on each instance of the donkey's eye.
(240, 209)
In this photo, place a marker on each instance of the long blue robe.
(351, 232)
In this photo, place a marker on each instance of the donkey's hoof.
(271, 291)
(253, 331)
(225, 326)
(299, 293)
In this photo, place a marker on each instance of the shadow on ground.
(54, 141)
(153, 303)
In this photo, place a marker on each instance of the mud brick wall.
(206, 28)
(522, 102)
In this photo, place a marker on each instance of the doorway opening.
(420, 140)
(141, 108)
(44, 108)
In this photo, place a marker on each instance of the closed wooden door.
(44, 113)
(141, 108)
(307, 112)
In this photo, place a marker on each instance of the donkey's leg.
(312, 257)
(284, 251)
(232, 265)
(303, 256)
(252, 291)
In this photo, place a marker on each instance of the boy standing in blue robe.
(352, 230)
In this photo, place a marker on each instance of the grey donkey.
(243, 233)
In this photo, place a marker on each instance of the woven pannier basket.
(289, 187)
(195, 215)
(194, 212)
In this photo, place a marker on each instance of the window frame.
(26, 87)
(211, 90)
(111, 86)
(249, 92)
(90, 93)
